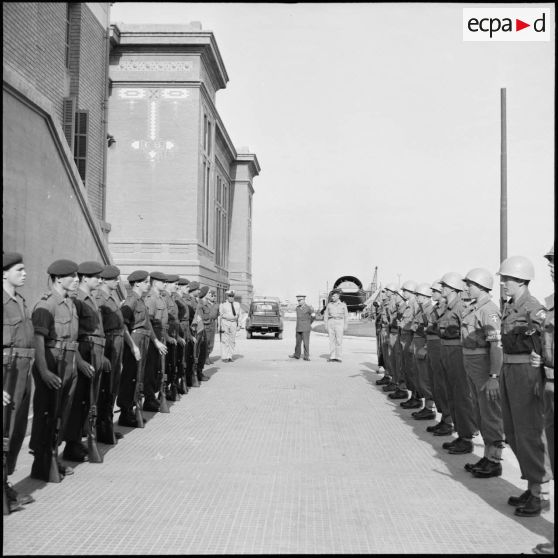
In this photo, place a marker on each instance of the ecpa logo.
(506, 24)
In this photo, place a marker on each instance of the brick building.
(55, 87)
(179, 193)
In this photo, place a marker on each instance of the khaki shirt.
(337, 311)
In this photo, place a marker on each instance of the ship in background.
(352, 293)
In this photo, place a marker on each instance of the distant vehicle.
(352, 293)
(265, 316)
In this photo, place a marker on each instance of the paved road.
(274, 455)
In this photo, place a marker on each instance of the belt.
(451, 341)
(114, 333)
(549, 373)
(17, 352)
(141, 330)
(476, 351)
(335, 318)
(95, 339)
(432, 337)
(393, 330)
(229, 319)
(521, 358)
(407, 332)
(61, 344)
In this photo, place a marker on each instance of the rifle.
(92, 449)
(137, 395)
(53, 472)
(10, 380)
(195, 381)
(164, 407)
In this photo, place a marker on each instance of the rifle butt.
(6, 506)
(53, 472)
(92, 449)
(164, 405)
(139, 416)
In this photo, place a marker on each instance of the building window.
(221, 223)
(67, 43)
(80, 142)
(206, 200)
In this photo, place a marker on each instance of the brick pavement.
(272, 456)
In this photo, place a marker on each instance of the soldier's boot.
(105, 433)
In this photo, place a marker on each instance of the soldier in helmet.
(423, 294)
(544, 361)
(394, 345)
(521, 385)
(18, 354)
(56, 325)
(458, 390)
(408, 380)
(434, 356)
(482, 358)
(383, 337)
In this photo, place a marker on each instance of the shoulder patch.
(46, 296)
(494, 318)
(541, 314)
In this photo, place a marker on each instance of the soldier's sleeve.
(491, 322)
(42, 319)
(127, 310)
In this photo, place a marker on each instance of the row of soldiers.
(86, 350)
(448, 347)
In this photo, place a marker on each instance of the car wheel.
(248, 334)
(279, 335)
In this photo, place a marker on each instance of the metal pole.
(503, 184)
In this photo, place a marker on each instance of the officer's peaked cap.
(61, 268)
(110, 272)
(336, 291)
(300, 296)
(138, 275)
(203, 291)
(11, 258)
(183, 281)
(90, 268)
(193, 286)
(171, 278)
(158, 275)
(230, 292)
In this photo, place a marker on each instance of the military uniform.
(18, 354)
(229, 313)
(394, 344)
(159, 317)
(406, 321)
(457, 387)
(383, 341)
(191, 349)
(521, 387)
(184, 333)
(55, 319)
(336, 318)
(304, 317)
(480, 327)
(113, 326)
(136, 319)
(172, 333)
(419, 351)
(201, 316)
(210, 328)
(91, 339)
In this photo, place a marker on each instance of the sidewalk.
(275, 455)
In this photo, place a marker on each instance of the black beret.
(138, 275)
(159, 275)
(90, 268)
(110, 272)
(183, 281)
(193, 286)
(203, 291)
(61, 268)
(11, 258)
(171, 278)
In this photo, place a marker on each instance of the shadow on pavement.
(490, 490)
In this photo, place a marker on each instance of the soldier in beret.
(56, 326)
(138, 324)
(116, 334)
(183, 333)
(171, 285)
(202, 315)
(18, 354)
(159, 316)
(213, 311)
(91, 337)
(192, 303)
(189, 333)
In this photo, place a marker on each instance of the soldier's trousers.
(488, 413)
(524, 419)
(170, 363)
(228, 338)
(395, 356)
(152, 375)
(459, 393)
(17, 382)
(180, 361)
(335, 330)
(110, 379)
(189, 362)
(45, 402)
(437, 379)
(302, 337)
(132, 372)
(384, 341)
(379, 348)
(549, 420)
(86, 395)
(210, 337)
(201, 351)
(407, 368)
(421, 367)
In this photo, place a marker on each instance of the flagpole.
(503, 184)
